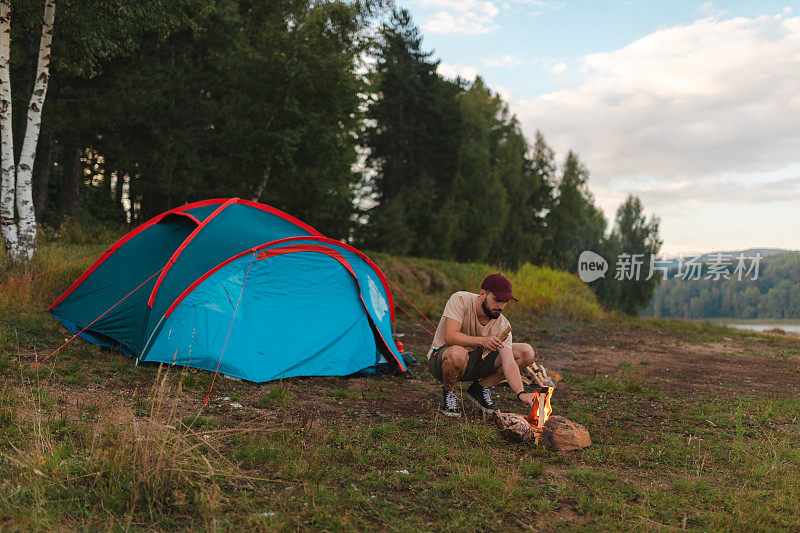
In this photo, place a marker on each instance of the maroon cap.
(498, 285)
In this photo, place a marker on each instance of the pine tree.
(482, 201)
(527, 180)
(633, 234)
(575, 224)
(412, 139)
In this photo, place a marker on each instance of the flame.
(541, 408)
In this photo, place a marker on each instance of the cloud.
(473, 17)
(688, 103)
(559, 68)
(467, 17)
(507, 61)
(453, 71)
(547, 4)
(687, 195)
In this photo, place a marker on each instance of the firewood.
(503, 335)
(513, 426)
(530, 374)
(564, 435)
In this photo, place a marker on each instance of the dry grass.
(90, 442)
(118, 467)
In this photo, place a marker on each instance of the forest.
(774, 293)
(331, 111)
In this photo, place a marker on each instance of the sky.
(692, 106)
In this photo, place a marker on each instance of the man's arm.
(454, 337)
(512, 375)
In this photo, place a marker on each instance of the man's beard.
(488, 312)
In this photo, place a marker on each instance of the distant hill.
(774, 293)
(750, 252)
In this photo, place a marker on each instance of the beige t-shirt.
(461, 307)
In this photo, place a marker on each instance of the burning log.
(541, 405)
(559, 433)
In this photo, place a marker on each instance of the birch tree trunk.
(8, 174)
(262, 184)
(41, 173)
(24, 198)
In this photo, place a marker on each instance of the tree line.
(328, 110)
(775, 293)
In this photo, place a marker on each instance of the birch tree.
(17, 217)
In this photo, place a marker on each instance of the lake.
(756, 326)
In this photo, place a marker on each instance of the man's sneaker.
(449, 405)
(482, 397)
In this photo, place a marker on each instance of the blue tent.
(237, 287)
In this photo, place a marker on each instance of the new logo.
(591, 266)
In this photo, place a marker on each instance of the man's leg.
(454, 364)
(523, 356)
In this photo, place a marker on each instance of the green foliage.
(87, 36)
(541, 291)
(544, 291)
(413, 137)
(480, 196)
(775, 294)
(575, 224)
(152, 106)
(636, 240)
(258, 102)
(528, 182)
(451, 173)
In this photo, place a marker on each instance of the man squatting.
(469, 325)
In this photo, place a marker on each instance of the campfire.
(541, 406)
(558, 432)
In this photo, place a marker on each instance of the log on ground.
(564, 435)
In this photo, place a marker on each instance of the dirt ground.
(675, 362)
(683, 362)
(620, 379)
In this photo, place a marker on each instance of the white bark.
(264, 179)
(7, 168)
(16, 188)
(24, 204)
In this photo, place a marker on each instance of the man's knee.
(524, 354)
(455, 357)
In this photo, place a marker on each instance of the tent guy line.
(37, 363)
(420, 324)
(297, 277)
(49, 270)
(412, 303)
(216, 371)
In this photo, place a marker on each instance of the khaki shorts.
(477, 368)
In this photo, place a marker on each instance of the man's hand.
(527, 397)
(492, 343)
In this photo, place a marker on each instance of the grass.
(145, 467)
(93, 466)
(541, 291)
(88, 441)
